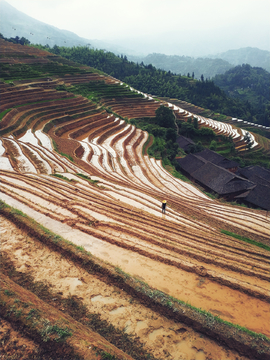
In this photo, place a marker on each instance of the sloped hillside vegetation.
(251, 85)
(148, 79)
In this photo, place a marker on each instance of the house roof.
(190, 163)
(228, 164)
(217, 159)
(210, 156)
(221, 180)
(259, 196)
(184, 142)
(256, 174)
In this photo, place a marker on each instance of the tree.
(207, 132)
(213, 145)
(195, 123)
(171, 134)
(24, 41)
(248, 140)
(186, 129)
(165, 117)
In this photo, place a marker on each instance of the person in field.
(164, 203)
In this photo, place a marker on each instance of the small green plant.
(12, 310)
(32, 313)
(9, 293)
(48, 329)
(104, 354)
(18, 313)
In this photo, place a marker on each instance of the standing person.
(164, 202)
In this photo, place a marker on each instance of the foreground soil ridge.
(245, 342)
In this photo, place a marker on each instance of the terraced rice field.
(151, 270)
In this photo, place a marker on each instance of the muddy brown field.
(91, 268)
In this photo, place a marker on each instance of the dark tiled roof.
(217, 159)
(210, 156)
(190, 163)
(259, 196)
(221, 180)
(184, 143)
(259, 174)
(228, 164)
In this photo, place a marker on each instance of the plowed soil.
(162, 337)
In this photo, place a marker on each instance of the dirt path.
(188, 286)
(163, 338)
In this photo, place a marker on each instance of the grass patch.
(180, 176)
(62, 177)
(212, 196)
(85, 177)
(250, 241)
(48, 329)
(104, 355)
(3, 113)
(55, 146)
(67, 156)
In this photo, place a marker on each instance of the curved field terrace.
(179, 282)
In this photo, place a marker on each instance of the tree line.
(148, 79)
(249, 84)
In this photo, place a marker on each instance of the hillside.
(249, 55)
(250, 84)
(185, 65)
(208, 66)
(90, 268)
(148, 79)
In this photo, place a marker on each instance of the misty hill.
(15, 23)
(208, 66)
(248, 55)
(248, 84)
(185, 65)
(148, 79)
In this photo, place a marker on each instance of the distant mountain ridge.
(208, 66)
(248, 55)
(185, 65)
(16, 23)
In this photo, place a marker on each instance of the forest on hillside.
(148, 79)
(241, 92)
(186, 65)
(250, 84)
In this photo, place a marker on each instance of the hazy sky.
(242, 21)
